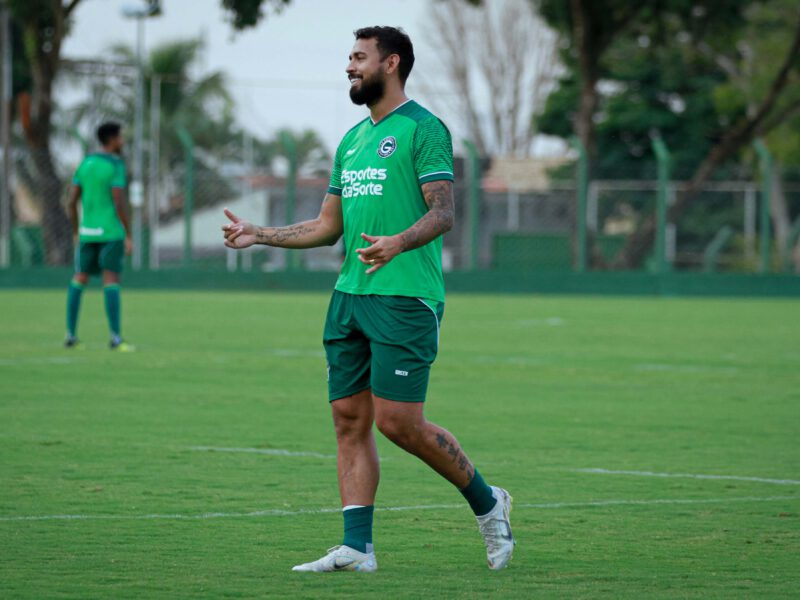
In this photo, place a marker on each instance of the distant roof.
(520, 174)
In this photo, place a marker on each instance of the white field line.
(690, 476)
(667, 368)
(318, 511)
(57, 360)
(269, 451)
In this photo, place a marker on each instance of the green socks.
(111, 295)
(358, 527)
(479, 495)
(74, 293)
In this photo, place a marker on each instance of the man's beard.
(370, 91)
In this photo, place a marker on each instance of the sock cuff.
(355, 509)
(110, 286)
(76, 284)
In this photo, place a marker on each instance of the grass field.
(114, 484)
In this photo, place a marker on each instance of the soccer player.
(102, 231)
(391, 196)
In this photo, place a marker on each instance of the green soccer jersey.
(377, 171)
(96, 176)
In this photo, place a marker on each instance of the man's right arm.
(325, 230)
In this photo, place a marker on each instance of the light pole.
(140, 13)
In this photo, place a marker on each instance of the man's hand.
(128, 246)
(238, 234)
(382, 250)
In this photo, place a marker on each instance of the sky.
(288, 71)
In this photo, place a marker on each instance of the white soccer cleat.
(341, 558)
(495, 528)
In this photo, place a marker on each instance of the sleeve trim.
(437, 176)
(336, 191)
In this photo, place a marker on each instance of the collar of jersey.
(394, 110)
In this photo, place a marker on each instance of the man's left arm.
(121, 208)
(437, 221)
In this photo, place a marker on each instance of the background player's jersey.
(378, 170)
(96, 175)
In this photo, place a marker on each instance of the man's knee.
(351, 417)
(401, 429)
(110, 277)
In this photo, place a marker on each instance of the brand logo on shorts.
(387, 146)
(401, 373)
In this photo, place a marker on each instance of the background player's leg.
(405, 425)
(74, 294)
(111, 295)
(357, 466)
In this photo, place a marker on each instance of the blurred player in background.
(391, 196)
(103, 233)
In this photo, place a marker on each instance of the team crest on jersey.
(387, 146)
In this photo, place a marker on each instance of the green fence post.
(663, 159)
(583, 195)
(290, 150)
(766, 199)
(791, 240)
(474, 198)
(715, 247)
(188, 191)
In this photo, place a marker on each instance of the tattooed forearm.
(284, 236)
(309, 234)
(322, 231)
(438, 220)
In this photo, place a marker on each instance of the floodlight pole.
(137, 187)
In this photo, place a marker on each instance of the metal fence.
(533, 230)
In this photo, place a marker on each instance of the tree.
(500, 58)
(590, 26)
(42, 25)
(764, 115)
(663, 73)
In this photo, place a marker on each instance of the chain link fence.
(514, 229)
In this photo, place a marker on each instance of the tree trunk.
(587, 60)
(56, 228)
(43, 53)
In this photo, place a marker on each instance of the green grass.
(534, 388)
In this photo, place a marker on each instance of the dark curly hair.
(391, 40)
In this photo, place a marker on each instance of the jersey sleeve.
(120, 179)
(335, 185)
(433, 151)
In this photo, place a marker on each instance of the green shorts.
(95, 257)
(386, 343)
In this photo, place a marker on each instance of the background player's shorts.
(95, 257)
(387, 343)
